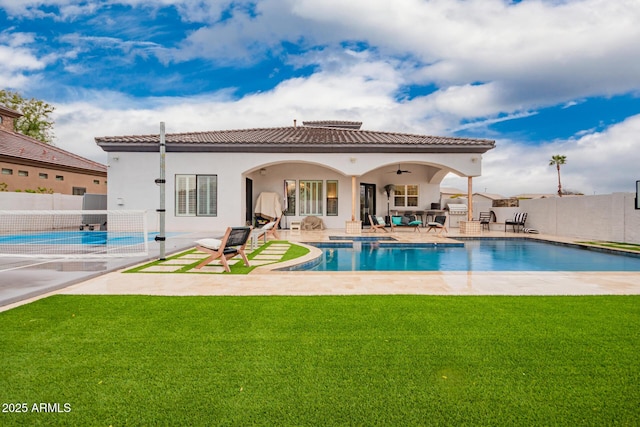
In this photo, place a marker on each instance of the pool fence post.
(161, 182)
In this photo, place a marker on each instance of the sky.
(540, 77)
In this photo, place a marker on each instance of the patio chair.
(517, 222)
(438, 224)
(485, 219)
(377, 224)
(270, 229)
(231, 244)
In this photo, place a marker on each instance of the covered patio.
(329, 169)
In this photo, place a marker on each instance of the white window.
(405, 196)
(311, 198)
(332, 198)
(207, 195)
(196, 195)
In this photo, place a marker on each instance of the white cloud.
(596, 162)
(601, 162)
(16, 60)
(492, 60)
(528, 55)
(488, 56)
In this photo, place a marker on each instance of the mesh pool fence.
(73, 233)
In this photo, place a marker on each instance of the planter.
(353, 227)
(470, 227)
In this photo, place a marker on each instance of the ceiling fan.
(400, 171)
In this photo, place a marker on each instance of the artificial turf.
(294, 251)
(616, 245)
(356, 360)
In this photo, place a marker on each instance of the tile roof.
(291, 139)
(9, 112)
(24, 148)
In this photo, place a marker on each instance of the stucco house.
(27, 164)
(333, 170)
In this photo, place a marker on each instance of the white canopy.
(268, 205)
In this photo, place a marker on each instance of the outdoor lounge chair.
(405, 221)
(268, 230)
(438, 224)
(377, 224)
(517, 222)
(231, 244)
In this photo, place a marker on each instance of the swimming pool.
(472, 255)
(75, 243)
(76, 238)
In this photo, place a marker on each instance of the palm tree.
(558, 160)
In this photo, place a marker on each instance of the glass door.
(367, 202)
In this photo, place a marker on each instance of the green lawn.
(616, 245)
(357, 360)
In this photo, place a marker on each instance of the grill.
(457, 209)
(457, 212)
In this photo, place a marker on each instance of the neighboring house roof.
(310, 139)
(23, 149)
(534, 196)
(451, 190)
(9, 112)
(490, 196)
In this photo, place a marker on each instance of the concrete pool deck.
(265, 281)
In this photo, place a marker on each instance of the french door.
(367, 202)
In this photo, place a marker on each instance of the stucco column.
(470, 198)
(353, 198)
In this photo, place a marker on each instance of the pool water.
(474, 255)
(76, 238)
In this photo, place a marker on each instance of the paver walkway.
(186, 262)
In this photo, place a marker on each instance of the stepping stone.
(208, 269)
(162, 269)
(218, 262)
(180, 261)
(267, 257)
(256, 263)
(193, 257)
(269, 252)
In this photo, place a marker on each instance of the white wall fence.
(32, 201)
(610, 217)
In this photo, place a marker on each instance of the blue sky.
(540, 77)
